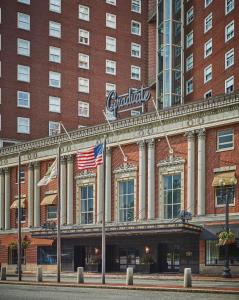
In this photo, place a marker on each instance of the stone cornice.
(125, 168)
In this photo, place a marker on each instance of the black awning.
(211, 232)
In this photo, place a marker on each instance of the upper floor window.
(54, 128)
(83, 109)
(23, 125)
(54, 29)
(189, 86)
(135, 72)
(135, 27)
(23, 47)
(28, 2)
(189, 39)
(208, 94)
(136, 6)
(54, 104)
(84, 13)
(135, 50)
(55, 79)
(110, 20)
(208, 48)
(112, 2)
(229, 6)
(109, 87)
(84, 37)
(225, 139)
(83, 85)
(55, 6)
(54, 54)
(207, 2)
(229, 85)
(229, 58)
(208, 73)
(126, 200)
(84, 61)
(229, 31)
(87, 204)
(51, 212)
(189, 15)
(189, 62)
(23, 73)
(110, 67)
(225, 193)
(172, 196)
(110, 43)
(23, 99)
(208, 22)
(23, 21)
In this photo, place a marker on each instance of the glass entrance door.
(128, 258)
(168, 257)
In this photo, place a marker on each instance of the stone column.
(201, 172)
(191, 173)
(2, 199)
(142, 177)
(63, 190)
(69, 190)
(151, 179)
(100, 195)
(7, 198)
(36, 195)
(108, 186)
(30, 198)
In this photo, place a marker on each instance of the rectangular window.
(23, 73)
(23, 99)
(135, 27)
(84, 13)
(83, 109)
(54, 29)
(208, 23)
(229, 59)
(216, 255)
(28, 2)
(54, 104)
(189, 39)
(13, 255)
(23, 214)
(110, 20)
(23, 21)
(208, 48)
(136, 6)
(208, 73)
(229, 6)
(23, 125)
(23, 47)
(207, 2)
(135, 72)
(55, 6)
(87, 200)
(54, 79)
(111, 2)
(51, 211)
(83, 61)
(135, 50)
(229, 85)
(172, 196)
(189, 86)
(225, 193)
(208, 94)
(189, 15)
(126, 200)
(225, 139)
(110, 67)
(54, 54)
(110, 43)
(229, 31)
(46, 255)
(109, 87)
(84, 37)
(83, 85)
(54, 128)
(189, 62)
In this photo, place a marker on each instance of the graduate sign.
(134, 98)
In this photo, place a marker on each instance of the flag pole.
(103, 215)
(19, 260)
(58, 215)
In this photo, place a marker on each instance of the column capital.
(201, 133)
(151, 143)
(141, 145)
(1, 171)
(190, 135)
(30, 166)
(36, 164)
(70, 158)
(63, 159)
(108, 150)
(6, 170)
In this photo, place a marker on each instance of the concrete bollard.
(4, 273)
(80, 275)
(129, 276)
(187, 278)
(39, 274)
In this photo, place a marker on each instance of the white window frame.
(133, 23)
(134, 52)
(136, 6)
(83, 36)
(229, 58)
(84, 13)
(205, 94)
(83, 61)
(208, 48)
(54, 54)
(55, 29)
(23, 47)
(228, 80)
(109, 87)
(189, 62)
(207, 3)
(223, 133)
(189, 39)
(25, 127)
(54, 77)
(110, 20)
(229, 6)
(83, 88)
(110, 65)
(208, 23)
(23, 24)
(55, 6)
(189, 15)
(227, 37)
(207, 72)
(83, 109)
(55, 104)
(111, 2)
(25, 74)
(132, 72)
(27, 2)
(219, 189)
(19, 104)
(55, 130)
(110, 43)
(187, 86)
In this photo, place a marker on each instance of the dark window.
(215, 255)
(22, 175)
(46, 255)
(12, 256)
(51, 212)
(224, 193)
(126, 200)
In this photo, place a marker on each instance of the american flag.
(90, 158)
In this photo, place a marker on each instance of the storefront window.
(126, 200)
(46, 255)
(172, 196)
(12, 256)
(215, 254)
(87, 200)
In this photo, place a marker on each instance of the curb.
(125, 287)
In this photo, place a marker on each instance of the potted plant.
(94, 264)
(146, 263)
(226, 238)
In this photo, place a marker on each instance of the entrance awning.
(41, 242)
(211, 232)
(15, 203)
(225, 178)
(49, 200)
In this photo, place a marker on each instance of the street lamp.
(226, 269)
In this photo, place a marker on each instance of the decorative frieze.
(125, 168)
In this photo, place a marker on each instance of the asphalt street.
(15, 292)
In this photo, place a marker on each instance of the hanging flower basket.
(226, 238)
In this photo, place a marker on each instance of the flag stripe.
(90, 158)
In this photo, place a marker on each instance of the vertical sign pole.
(58, 216)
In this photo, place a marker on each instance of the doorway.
(79, 257)
(128, 258)
(168, 258)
